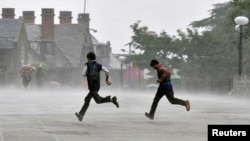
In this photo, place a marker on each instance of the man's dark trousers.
(98, 99)
(169, 93)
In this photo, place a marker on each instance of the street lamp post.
(129, 62)
(122, 58)
(129, 66)
(240, 21)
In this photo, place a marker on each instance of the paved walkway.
(49, 116)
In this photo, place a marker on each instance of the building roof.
(9, 29)
(33, 32)
(69, 39)
(115, 63)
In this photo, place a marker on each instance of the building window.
(35, 46)
(48, 48)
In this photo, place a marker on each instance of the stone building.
(13, 46)
(62, 47)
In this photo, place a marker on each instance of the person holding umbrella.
(26, 72)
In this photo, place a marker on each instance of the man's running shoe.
(149, 116)
(114, 100)
(80, 117)
(187, 105)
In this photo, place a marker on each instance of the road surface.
(49, 116)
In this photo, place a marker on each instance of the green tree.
(207, 50)
(215, 49)
(154, 46)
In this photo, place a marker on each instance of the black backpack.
(93, 70)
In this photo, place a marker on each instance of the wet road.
(49, 116)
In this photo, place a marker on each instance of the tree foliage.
(153, 46)
(206, 50)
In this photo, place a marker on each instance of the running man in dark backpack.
(92, 72)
